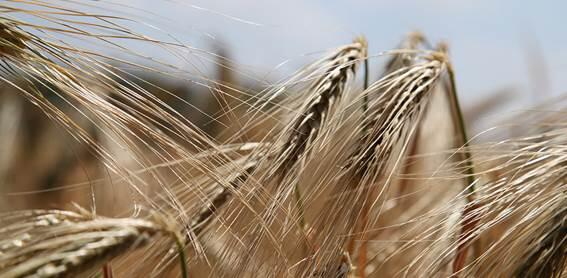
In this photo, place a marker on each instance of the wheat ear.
(397, 61)
(324, 95)
(64, 243)
(520, 213)
(396, 102)
(220, 199)
(549, 256)
(326, 91)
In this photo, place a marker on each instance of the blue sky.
(493, 44)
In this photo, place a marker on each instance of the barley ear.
(63, 243)
(324, 95)
(549, 257)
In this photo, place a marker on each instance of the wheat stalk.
(278, 166)
(220, 199)
(325, 93)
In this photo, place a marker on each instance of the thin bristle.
(549, 255)
(12, 40)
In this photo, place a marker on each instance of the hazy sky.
(493, 44)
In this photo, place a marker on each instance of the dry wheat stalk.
(399, 103)
(316, 112)
(396, 62)
(217, 201)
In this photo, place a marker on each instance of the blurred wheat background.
(282, 139)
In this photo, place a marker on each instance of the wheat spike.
(325, 92)
(549, 241)
(394, 109)
(220, 199)
(520, 211)
(411, 42)
(62, 243)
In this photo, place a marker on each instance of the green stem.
(469, 219)
(461, 130)
(299, 205)
(182, 257)
(365, 96)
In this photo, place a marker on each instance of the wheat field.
(109, 167)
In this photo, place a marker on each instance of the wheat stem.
(462, 132)
(182, 257)
(365, 96)
(107, 271)
(470, 220)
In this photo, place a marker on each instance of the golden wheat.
(334, 184)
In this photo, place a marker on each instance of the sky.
(494, 45)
